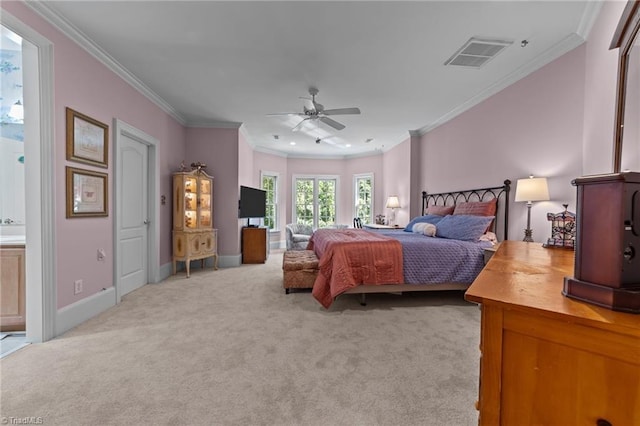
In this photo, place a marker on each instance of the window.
(270, 184)
(363, 191)
(315, 200)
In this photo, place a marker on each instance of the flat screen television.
(253, 202)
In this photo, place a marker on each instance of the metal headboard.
(501, 193)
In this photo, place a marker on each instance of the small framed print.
(86, 193)
(87, 140)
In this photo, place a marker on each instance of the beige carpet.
(228, 347)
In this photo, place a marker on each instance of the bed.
(360, 261)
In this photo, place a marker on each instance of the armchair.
(298, 235)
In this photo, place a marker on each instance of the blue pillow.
(463, 227)
(430, 218)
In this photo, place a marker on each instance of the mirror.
(631, 135)
(626, 154)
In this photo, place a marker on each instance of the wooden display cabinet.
(194, 237)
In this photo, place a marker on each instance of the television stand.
(255, 244)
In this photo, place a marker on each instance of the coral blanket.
(350, 257)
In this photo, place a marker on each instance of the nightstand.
(489, 252)
(376, 226)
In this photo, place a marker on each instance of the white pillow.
(489, 236)
(418, 228)
(428, 229)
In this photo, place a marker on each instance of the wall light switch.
(101, 254)
(77, 287)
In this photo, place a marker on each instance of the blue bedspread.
(438, 260)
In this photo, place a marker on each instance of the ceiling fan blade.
(341, 111)
(285, 113)
(332, 123)
(299, 125)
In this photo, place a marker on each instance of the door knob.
(146, 222)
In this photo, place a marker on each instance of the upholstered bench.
(300, 268)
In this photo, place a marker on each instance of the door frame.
(40, 185)
(123, 129)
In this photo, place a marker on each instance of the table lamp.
(529, 190)
(392, 203)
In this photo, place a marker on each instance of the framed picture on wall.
(86, 193)
(87, 139)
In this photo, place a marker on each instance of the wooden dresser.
(547, 359)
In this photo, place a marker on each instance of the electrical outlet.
(77, 287)
(101, 254)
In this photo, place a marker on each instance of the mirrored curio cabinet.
(194, 237)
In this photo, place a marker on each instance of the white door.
(132, 211)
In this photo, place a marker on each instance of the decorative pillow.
(429, 230)
(418, 228)
(489, 236)
(440, 210)
(424, 228)
(430, 218)
(477, 208)
(463, 227)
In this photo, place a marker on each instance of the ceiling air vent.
(477, 52)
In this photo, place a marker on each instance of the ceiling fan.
(316, 111)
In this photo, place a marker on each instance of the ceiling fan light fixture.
(316, 112)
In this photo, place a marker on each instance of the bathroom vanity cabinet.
(12, 288)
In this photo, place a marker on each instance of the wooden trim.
(624, 37)
(491, 365)
(625, 19)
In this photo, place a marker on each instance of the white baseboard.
(230, 261)
(278, 244)
(77, 313)
(165, 271)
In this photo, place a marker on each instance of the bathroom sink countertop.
(12, 240)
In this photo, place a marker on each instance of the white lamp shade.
(393, 202)
(532, 189)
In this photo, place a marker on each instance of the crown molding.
(216, 125)
(73, 33)
(567, 44)
(591, 12)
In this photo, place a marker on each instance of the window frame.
(316, 179)
(276, 197)
(357, 177)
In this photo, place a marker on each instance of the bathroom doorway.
(36, 217)
(12, 197)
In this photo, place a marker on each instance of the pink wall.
(263, 162)
(533, 127)
(360, 165)
(245, 163)
(84, 84)
(345, 169)
(397, 178)
(601, 69)
(218, 148)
